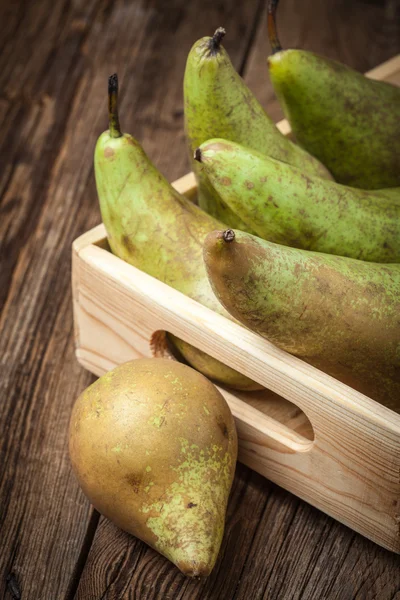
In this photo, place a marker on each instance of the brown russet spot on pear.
(134, 481)
(108, 152)
(155, 228)
(339, 314)
(166, 482)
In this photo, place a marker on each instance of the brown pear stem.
(228, 235)
(272, 31)
(197, 155)
(215, 41)
(113, 119)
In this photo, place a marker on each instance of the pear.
(156, 229)
(339, 314)
(219, 104)
(153, 445)
(283, 205)
(349, 122)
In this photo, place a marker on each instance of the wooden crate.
(314, 436)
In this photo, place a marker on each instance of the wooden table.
(55, 60)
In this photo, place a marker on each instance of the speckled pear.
(285, 206)
(219, 104)
(339, 314)
(153, 445)
(153, 227)
(349, 122)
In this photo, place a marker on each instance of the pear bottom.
(153, 445)
(213, 368)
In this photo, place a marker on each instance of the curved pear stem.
(228, 235)
(113, 119)
(215, 41)
(271, 23)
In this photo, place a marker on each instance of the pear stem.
(271, 23)
(215, 41)
(228, 235)
(197, 155)
(113, 119)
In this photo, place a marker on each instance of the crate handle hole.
(267, 402)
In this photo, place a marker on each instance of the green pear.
(283, 205)
(339, 314)
(153, 445)
(349, 122)
(153, 227)
(219, 104)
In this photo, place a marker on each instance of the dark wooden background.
(55, 59)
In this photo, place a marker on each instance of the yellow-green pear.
(346, 120)
(218, 103)
(283, 205)
(339, 314)
(153, 227)
(154, 446)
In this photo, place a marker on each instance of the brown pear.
(153, 445)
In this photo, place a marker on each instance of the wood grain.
(55, 58)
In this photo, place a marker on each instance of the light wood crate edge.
(351, 470)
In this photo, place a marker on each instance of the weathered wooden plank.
(41, 505)
(315, 558)
(358, 33)
(52, 113)
(45, 205)
(275, 546)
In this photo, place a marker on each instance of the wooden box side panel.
(351, 470)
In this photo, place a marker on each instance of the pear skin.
(339, 314)
(219, 104)
(153, 445)
(349, 122)
(156, 229)
(283, 205)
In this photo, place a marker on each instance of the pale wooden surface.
(350, 470)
